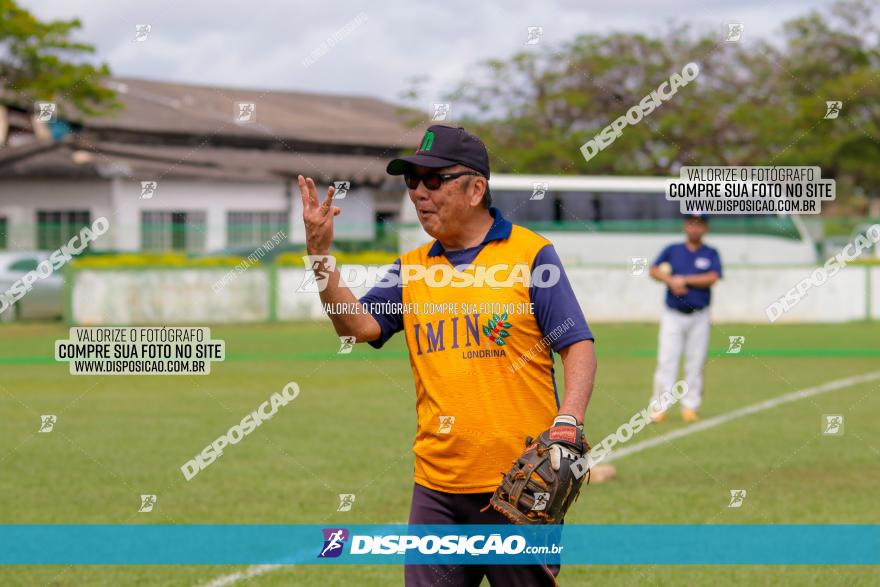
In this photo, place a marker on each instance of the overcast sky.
(263, 43)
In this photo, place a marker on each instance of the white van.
(605, 220)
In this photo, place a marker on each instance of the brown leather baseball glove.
(547, 477)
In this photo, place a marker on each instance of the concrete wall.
(875, 293)
(743, 295)
(605, 294)
(171, 296)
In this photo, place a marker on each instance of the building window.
(252, 229)
(4, 232)
(56, 228)
(173, 231)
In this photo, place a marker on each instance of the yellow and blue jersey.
(481, 356)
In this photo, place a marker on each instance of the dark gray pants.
(437, 507)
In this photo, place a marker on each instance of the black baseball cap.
(697, 216)
(443, 146)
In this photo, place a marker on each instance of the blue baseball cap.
(443, 146)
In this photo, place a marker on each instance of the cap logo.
(427, 141)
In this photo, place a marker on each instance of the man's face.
(441, 211)
(695, 229)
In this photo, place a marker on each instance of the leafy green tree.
(40, 61)
(756, 103)
(838, 59)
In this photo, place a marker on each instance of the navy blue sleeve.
(385, 293)
(557, 306)
(716, 264)
(663, 257)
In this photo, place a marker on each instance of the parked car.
(45, 299)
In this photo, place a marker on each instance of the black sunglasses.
(431, 179)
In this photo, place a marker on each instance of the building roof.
(164, 107)
(180, 130)
(72, 158)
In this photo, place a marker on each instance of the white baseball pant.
(682, 332)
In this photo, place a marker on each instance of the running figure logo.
(539, 190)
(441, 111)
(734, 32)
(534, 35)
(833, 425)
(446, 423)
(832, 109)
(341, 188)
(147, 503)
(47, 423)
(541, 499)
(141, 32)
(638, 266)
(148, 189)
(737, 497)
(736, 344)
(346, 501)
(45, 111)
(318, 270)
(334, 540)
(346, 344)
(245, 112)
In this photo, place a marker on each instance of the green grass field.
(351, 429)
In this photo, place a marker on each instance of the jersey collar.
(500, 229)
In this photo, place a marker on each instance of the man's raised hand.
(318, 218)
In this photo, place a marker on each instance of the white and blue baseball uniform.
(685, 324)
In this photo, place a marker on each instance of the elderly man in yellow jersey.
(476, 398)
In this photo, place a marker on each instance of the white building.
(198, 169)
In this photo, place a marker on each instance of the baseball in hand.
(665, 268)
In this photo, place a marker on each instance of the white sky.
(262, 43)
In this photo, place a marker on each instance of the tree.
(39, 61)
(759, 103)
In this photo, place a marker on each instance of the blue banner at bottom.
(448, 544)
